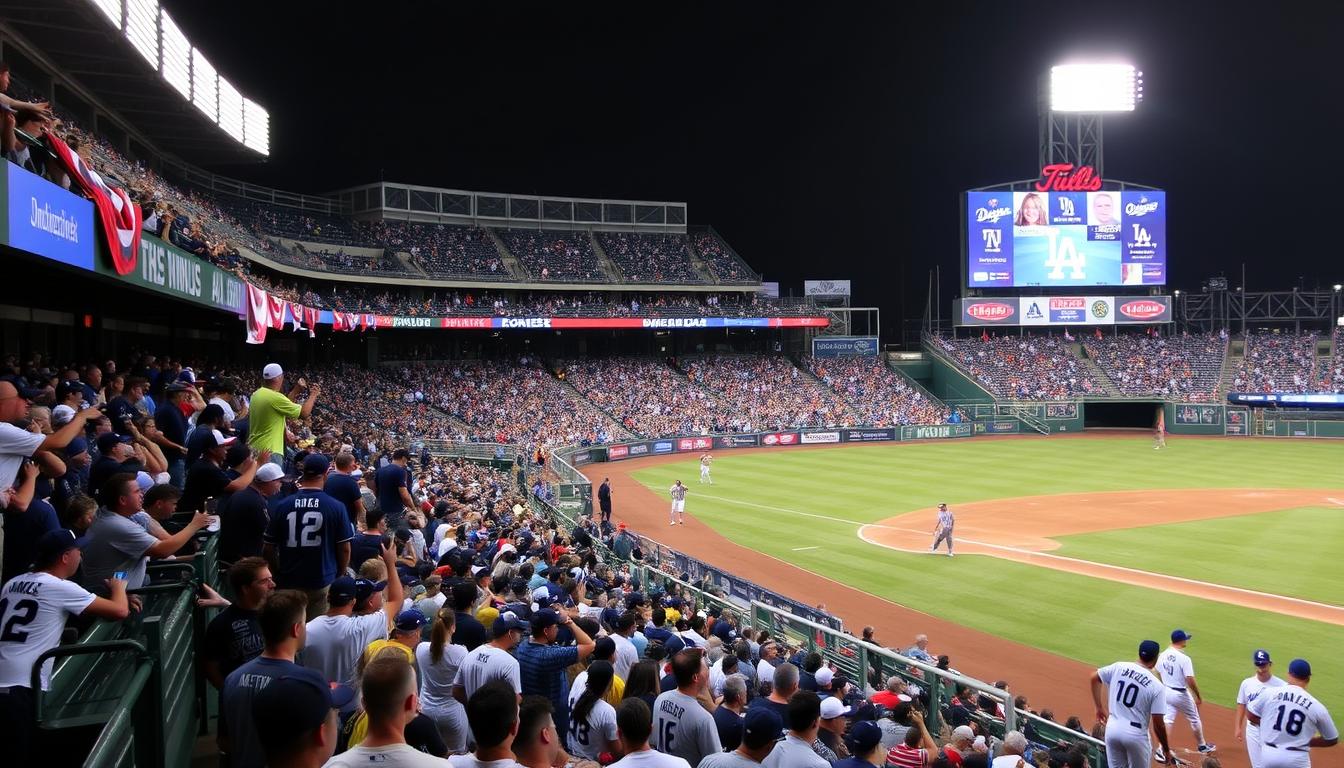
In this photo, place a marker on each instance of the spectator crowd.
(1188, 367)
(1021, 367)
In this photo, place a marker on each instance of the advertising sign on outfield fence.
(662, 446)
(695, 443)
(810, 438)
(617, 452)
(936, 431)
(737, 441)
(869, 435)
(779, 438)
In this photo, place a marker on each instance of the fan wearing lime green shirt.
(271, 407)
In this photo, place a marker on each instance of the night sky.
(821, 145)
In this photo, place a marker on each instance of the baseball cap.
(25, 391)
(832, 708)
(942, 505)
(604, 647)
(963, 732)
(315, 464)
(67, 388)
(144, 481)
(364, 588)
(411, 620)
(342, 590)
(272, 371)
(1260, 657)
(55, 543)
(222, 439)
(824, 676)
(542, 597)
(864, 735)
(178, 386)
(633, 599)
(544, 619)
(763, 725)
(268, 472)
(1298, 668)
(294, 705)
(1177, 635)
(1148, 650)
(108, 440)
(506, 623)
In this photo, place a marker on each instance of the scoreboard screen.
(1049, 239)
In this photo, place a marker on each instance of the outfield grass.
(771, 501)
(1279, 552)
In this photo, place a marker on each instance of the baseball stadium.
(305, 466)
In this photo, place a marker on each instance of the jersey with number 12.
(1290, 717)
(305, 529)
(1135, 693)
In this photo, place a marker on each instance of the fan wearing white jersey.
(705, 461)
(1291, 721)
(1133, 698)
(33, 609)
(1251, 689)
(1183, 697)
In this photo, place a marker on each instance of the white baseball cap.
(824, 676)
(220, 439)
(832, 708)
(268, 472)
(272, 371)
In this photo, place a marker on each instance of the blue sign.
(662, 446)
(47, 221)
(1077, 239)
(843, 346)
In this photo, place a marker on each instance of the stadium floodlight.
(1095, 88)
(1338, 287)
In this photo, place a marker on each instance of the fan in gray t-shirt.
(681, 726)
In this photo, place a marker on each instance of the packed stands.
(1332, 379)
(554, 255)
(647, 396)
(1021, 367)
(725, 265)
(760, 393)
(1277, 362)
(880, 396)
(1185, 367)
(650, 258)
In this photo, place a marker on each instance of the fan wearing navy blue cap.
(492, 661)
(1292, 722)
(1251, 689)
(33, 611)
(308, 539)
(864, 741)
(1135, 697)
(543, 663)
(297, 720)
(337, 638)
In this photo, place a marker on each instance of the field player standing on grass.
(678, 492)
(943, 530)
(1183, 697)
(705, 461)
(1160, 431)
(1292, 721)
(1134, 697)
(1252, 688)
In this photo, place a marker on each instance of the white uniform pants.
(1127, 745)
(1179, 701)
(1278, 757)
(1253, 744)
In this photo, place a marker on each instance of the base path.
(1048, 680)
(1023, 530)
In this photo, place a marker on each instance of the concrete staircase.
(698, 264)
(604, 261)
(1108, 388)
(1236, 354)
(510, 262)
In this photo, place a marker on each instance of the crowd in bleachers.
(765, 392)
(1187, 367)
(650, 258)
(554, 255)
(647, 396)
(1332, 378)
(1022, 367)
(1277, 362)
(878, 395)
(722, 262)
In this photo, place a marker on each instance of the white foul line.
(1031, 552)
(802, 549)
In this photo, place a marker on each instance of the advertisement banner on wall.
(779, 438)
(936, 431)
(997, 427)
(1064, 310)
(813, 438)
(695, 443)
(639, 449)
(844, 346)
(737, 441)
(869, 435)
(165, 268)
(663, 446)
(826, 287)
(582, 457)
(618, 452)
(47, 221)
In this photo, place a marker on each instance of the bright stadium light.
(1095, 88)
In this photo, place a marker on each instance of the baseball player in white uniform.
(1133, 698)
(678, 492)
(705, 461)
(943, 531)
(1183, 697)
(1251, 689)
(1291, 721)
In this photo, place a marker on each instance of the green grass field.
(771, 501)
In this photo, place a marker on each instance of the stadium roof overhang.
(88, 56)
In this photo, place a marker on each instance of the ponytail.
(444, 622)
(599, 680)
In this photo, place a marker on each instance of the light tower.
(1073, 99)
